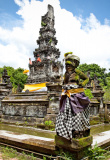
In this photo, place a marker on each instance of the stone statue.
(73, 118)
(88, 75)
(96, 83)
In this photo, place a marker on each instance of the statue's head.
(71, 61)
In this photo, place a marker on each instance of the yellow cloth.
(70, 91)
(34, 87)
(25, 71)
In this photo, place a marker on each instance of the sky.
(82, 26)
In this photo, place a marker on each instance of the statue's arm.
(83, 77)
(66, 77)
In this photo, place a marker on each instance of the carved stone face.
(70, 67)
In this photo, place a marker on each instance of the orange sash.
(70, 91)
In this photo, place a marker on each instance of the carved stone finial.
(89, 84)
(5, 76)
(50, 11)
(19, 89)
(27, 91)
(96, 83)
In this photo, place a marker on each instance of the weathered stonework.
(30, 107)
(46, 67)
(5, 87)
(54, 92)
(75, 146)
(97, 104)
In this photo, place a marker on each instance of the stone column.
(106, 118)
(54, 92)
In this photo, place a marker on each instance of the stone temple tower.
(46, 67)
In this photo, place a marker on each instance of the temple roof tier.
(46, 29)
(45, 48)
(47, 51)
(48, 40)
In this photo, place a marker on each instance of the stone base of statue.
(76, 146)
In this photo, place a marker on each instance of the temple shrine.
(46, 67)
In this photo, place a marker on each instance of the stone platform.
(45, 145)
(30, 107)
(102, 139)
(33, 143)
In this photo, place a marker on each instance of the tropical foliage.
(102, 75)
(95, 69)
(16, 76)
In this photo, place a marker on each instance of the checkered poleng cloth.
(67, 121)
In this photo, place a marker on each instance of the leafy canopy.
(94, 69)
(103, 77)
(16, 76)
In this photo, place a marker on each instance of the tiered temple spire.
(46, 67)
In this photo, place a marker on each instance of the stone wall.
(30, 107)
(38, 107)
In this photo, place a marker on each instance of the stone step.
(30, 93)
(28, 98)
(34, 143)
(24, 100)
(25, 97)
(102, 139)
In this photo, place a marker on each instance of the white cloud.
(107, 21)
(87, 38)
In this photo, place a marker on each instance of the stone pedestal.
(54, 92)
(106, 118)
(76, 146)
(98, 99)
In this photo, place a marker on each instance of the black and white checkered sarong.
(67, 121)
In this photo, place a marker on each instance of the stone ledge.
(75, 144)
(34, 143)
(25, 100)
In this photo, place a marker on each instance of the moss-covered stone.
(85, 141)
(59, 140)
(18, 97)
(82, 75)
(67, 53)
(76, 147)
(69, 62)
(95, 120)
(43, 24)
(75, 144)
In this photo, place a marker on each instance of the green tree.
(103, 77)
(94, 69)
(88, 93)
(16, 76)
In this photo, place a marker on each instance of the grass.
(94, 154)
(8, 153)
(98, 153)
